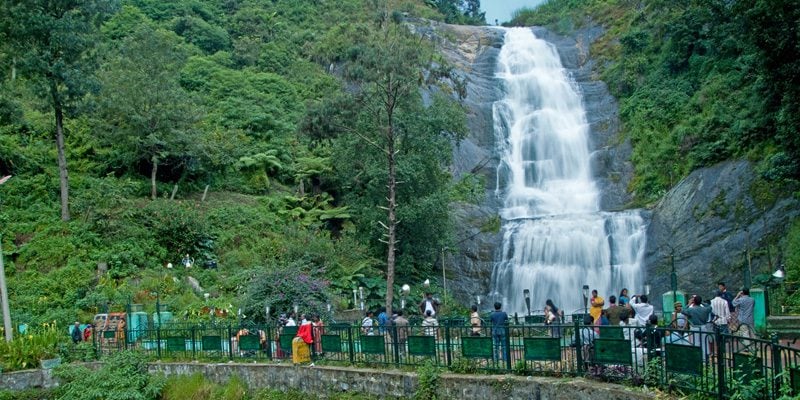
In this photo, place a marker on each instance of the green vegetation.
(232, 132)
(123, 376)
(25, 351)
(698, 81)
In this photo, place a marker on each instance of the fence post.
(447, 343)
(776, 365)
(194, 352)
(95, 349)
(720, 339)
(395, 344)
(158, 338)
(350, 345)
(230, 341)
(578, 349)
(507, 345)
(269, 333)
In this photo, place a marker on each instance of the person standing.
(553, 316)
(613, 311)
(429, 304)
(383, 321)
(642, 309)
(290, 321)
(430, 324)
(301, 344)
(76, 334)
(401, 327)
(699, 317)
(499, 332)
(745, 305)
(367, 324)
(623, 297)
(318, 329)
(679, 321)
(726, 295)
(475, 321)
(597, 306)
(719, 307)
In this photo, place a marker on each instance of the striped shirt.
(744, 306)
(720, 309)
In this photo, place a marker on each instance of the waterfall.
(555, 237)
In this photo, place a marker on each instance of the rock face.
(716, 222)
(474, 51)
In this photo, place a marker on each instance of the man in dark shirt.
(613, 311)
(726, 295)
(699, 317)
(499, 332)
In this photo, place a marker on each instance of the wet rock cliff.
(473, 51)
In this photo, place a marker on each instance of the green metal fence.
(688, 361)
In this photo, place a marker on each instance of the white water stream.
(555, 238)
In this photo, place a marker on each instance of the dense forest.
(250, 135)
(287, 146)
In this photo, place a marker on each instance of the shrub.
(25, 351)
(123, 376)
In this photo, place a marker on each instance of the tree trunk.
(62, 157)
(392, 202)
(153, 189)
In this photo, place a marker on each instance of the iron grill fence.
(699, 360)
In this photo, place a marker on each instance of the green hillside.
(244, 133)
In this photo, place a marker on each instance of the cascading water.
(555, 238)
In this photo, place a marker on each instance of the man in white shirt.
(642, 308)
(719, 307)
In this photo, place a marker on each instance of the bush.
(196, 387)
(25, 351)
(123, 376)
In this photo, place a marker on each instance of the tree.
(391, 147)
(149, 116)
(52, 43)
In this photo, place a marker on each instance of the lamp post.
(444, 278)
(266, 312)
(478, 300)
(187, 261)
(585, 291)
(158, 328)
(361, 297)
(647, 289)
(3, 288)
(527, 294)
(355, 300)
(158, 306)
(404, 291)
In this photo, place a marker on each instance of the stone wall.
(321, 381)
(399, 384)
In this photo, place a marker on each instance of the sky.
(502, 9)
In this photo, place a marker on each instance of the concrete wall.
(398, 384)
(321, 381)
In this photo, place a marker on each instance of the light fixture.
(780, 273)
(478, 299)
(647, 289)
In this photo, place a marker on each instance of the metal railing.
(710, 362)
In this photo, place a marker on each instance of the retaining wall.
(322, 380)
